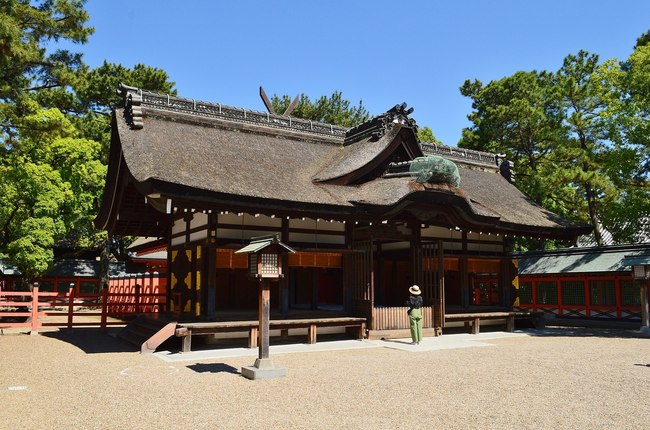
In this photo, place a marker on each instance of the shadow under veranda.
(93, 340)
(594, 332)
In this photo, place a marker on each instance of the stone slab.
(254, 373)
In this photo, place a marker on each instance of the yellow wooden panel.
(515, 281)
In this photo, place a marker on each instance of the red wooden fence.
(137, 293)
(582, 296)
(124, 297)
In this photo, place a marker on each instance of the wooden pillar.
(441, 283)
(348, 269)
(71, 296)
(264, 318)
(416, 254)
(169, 299)
(35, 323)
(371, 268)
(645, 314)
(380, 295)
(104, 316)
(314, 288)
(284, 281)
(210, 267)
(464, 274)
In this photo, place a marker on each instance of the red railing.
(76, 310)
(137, 293)
(559, 307)
(28, 306)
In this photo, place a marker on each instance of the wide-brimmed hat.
(415, 290)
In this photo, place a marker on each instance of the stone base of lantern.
(263, 369)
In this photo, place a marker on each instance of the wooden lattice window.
(630, 294)
(525, 292)
(603, 292)
(547, 293)
(573, 293)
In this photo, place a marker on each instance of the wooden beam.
(264, 317)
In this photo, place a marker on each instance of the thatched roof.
(183, 153)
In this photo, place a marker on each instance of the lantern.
(265, 255)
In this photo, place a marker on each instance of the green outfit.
(415, 318)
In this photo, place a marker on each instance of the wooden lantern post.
(641, 273)
(265, 254)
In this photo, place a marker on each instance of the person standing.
(414, 303)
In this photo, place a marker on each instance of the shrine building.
(369, 210)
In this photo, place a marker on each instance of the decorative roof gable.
(371, 147)
(378, 126)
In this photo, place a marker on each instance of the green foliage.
(425, 134)
(25, 28)
(50, 186)
(55, 130)
(95, 94)
(578, 137)
(518, 116)
(330, 110)
(643, 40)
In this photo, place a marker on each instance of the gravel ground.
(562, 379)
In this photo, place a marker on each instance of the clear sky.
(379, 52)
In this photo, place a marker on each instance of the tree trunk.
(104, 262)
(598, 235)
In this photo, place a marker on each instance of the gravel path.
(568, 379)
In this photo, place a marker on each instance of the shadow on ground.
(553, 331)
(91, 340)
(202, 343)
(404, 342)
(213, 368)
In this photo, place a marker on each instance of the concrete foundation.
(263, 369)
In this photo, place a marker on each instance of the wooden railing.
(137, 293)
(27, 308)
(396, 318)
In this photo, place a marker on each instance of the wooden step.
(147, 333)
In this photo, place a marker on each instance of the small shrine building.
(369, 211)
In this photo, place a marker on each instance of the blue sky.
(380, 52)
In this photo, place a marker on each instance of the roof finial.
(269, 106)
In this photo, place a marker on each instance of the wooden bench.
(475, 318)
(187, 330)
